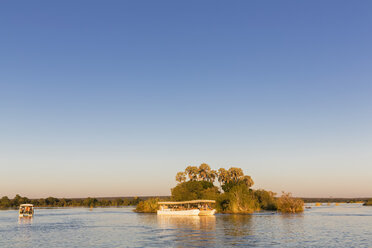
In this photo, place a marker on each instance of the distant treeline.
(5, 202)
(347, 200)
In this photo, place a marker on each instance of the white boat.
(184, 208)
(26, 210)
(192, 212)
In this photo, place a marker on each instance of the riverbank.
(6, 203)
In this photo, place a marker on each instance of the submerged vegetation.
(234, 194)
(5, 202)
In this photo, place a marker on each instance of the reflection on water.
(175, 230)
(25, 220)
(291, 224)
(326, 226)
(25, 229)
(206, 223)
(199, 230)
(238, 225)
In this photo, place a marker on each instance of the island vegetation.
(233, 195)
(147, 206)
(287, 204)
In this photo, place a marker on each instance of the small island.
(234, 194)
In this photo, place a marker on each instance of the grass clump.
(239, 199)
(288, 204)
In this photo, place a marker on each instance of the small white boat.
(26, 210)
(190, 208)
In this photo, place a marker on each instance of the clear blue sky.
(112, 98)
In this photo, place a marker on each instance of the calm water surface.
(348, 225)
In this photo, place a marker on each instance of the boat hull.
(207, 212)
(191, 212)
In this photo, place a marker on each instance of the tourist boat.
(191, 208)
(26, 210)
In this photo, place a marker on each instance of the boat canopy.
(26, 205)
(187, 202)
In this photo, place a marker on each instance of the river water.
(347, 225)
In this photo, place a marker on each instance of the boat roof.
(26, 205)
(187, 202)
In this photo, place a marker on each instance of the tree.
(223, 176)
(90, 202)
(192, 172)
(289, 204)
(51, 201)
(248, 181)
(266, 199)
(235, 174)
(194, 190)
(5, 202)
(239, 199)
(205, 172)
(17, 200)
(181, 177)
(232, 177)
(148, 206)
(212, 176)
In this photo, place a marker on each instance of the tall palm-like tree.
(248, 181)
(223, 176)
(204, 172)
(235, 174)
(192, 172)
(212, 176)
(181, 177)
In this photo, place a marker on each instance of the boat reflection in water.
(190, 231)
(206, 223)
(25, 220)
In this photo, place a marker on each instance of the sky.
(113, 98)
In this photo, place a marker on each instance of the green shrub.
(194, 190)
(148, 206)
(266, 199)
(288, 204)
(239, 199)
